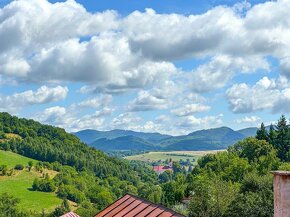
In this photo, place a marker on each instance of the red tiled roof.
(130, 205)
(161, 168)
(70, 214)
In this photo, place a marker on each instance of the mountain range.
(210, 139)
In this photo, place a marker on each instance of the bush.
(43, 185)
(19, 167)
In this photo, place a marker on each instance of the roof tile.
(130, 205)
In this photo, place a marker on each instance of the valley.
(152, 157)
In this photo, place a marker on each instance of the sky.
(165, 66)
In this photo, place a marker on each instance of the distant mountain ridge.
(209, 139)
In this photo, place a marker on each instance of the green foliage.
(86, 209)
(211, 196)
(3, 169)
(64, 208)
(262, 133)
(174, 191)
(252, 205)
(84, 174)
(19, 167)
(238, 182)
(258, 152)
(8, 207)
(44, 185)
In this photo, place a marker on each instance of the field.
(11, 159)
(20, 183)
(174, 155)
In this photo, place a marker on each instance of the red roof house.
(161, 169)
(70, 214)
(130, 205)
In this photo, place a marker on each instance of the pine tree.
(262, 133)
(281, 141)
(272, 135)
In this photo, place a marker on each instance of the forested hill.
(85, 176)
(51, 144)
(209, 139)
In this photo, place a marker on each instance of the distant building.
(70, 214)
(161, 169)
(130, 205)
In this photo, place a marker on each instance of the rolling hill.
(90, 136)
(210, 139)
(20, 182)
(123, 143)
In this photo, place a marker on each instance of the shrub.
(19, 167)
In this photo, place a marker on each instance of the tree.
(151, 192)
(211, 196)
(62, 209)
(8, 206)
(262, 133)
(3, 169)
(176, 168)
(282, 138)
(272, 135)
(252, 204)
(165, 176)
(30, 165)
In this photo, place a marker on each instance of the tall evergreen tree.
(281, 141)
(262, 133)
(272, 135)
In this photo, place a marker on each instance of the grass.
(20, 183)
(174, 155)
(11, 159)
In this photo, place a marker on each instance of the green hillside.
(11, 159)
(20, 182)
(87, 177)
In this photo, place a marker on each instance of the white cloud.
(96, 102)
(63, 43)
(125, 121)
(267, 93)
(42, 95)
(216, 73)
(249, 120)
(190, 109)
(43, 42)
(145, 102)
(191, 123)
(69, 119)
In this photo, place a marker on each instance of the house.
(70, 214)
(161, 169)
(130, 205)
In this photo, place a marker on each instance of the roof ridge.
(157, 204)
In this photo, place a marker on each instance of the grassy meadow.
(11, 159)
(20, 182)
(174, 155)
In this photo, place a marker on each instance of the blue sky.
(165, 66)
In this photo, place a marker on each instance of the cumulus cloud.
(190, 109)
(249, 120)
(216, 73)
(42, 95)
(43, 42)
(191, 123)
(62, 42)
(125, 121)
(96, 102)
(145, 102)
(265, 94)
(70, 120)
